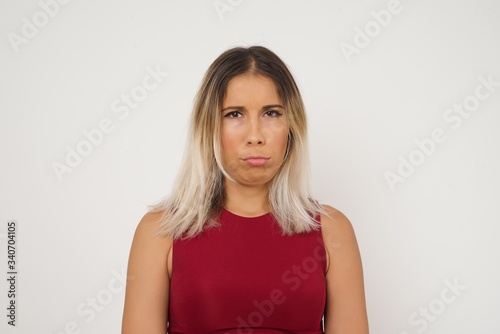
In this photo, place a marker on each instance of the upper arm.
(146, 296)
(345, 306)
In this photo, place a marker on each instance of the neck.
(247, 201)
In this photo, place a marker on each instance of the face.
(254, 130)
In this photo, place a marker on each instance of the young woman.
(240, 245)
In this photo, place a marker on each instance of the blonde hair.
(198, 195)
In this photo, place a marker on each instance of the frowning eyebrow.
(269, 106)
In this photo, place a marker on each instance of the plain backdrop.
(403, 101)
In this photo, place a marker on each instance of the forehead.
(247, 89)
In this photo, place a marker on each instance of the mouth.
(256, 160)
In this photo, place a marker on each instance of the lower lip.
(256, 162)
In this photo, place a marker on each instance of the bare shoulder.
(149, 249)
(149, 223)
(337, 231)
(148, 227)
(335, 223)
(346, 306)
(146, 296)
(147, 242)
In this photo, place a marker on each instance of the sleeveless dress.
(246, 277)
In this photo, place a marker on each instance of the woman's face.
(254, 129)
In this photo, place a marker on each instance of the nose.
(255, 135)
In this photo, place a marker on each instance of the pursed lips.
(256, 160)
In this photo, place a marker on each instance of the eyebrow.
(269, 106)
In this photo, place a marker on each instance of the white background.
(365, 110)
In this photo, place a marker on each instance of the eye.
(233, 114)
(273, 113)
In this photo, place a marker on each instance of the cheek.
(276, 132)
(230, 137)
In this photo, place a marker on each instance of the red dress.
(246, 277)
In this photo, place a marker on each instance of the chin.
(259, 180)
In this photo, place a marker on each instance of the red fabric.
(245, 277)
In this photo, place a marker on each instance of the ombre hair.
(198, 196)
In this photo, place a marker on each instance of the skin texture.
(249, 128)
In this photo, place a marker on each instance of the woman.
(240, 246)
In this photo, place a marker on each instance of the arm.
(345, 304)
(146, 296)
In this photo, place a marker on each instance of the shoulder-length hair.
(198, 196)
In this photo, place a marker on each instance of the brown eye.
(233, 114)
(273, 113)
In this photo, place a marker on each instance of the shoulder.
(334, 220)
(146, 233)
(345, 310)
(337, 231)
(150, 222)
(149, 250)
(147, 289)
(150, 219)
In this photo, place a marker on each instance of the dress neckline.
(229, 213)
